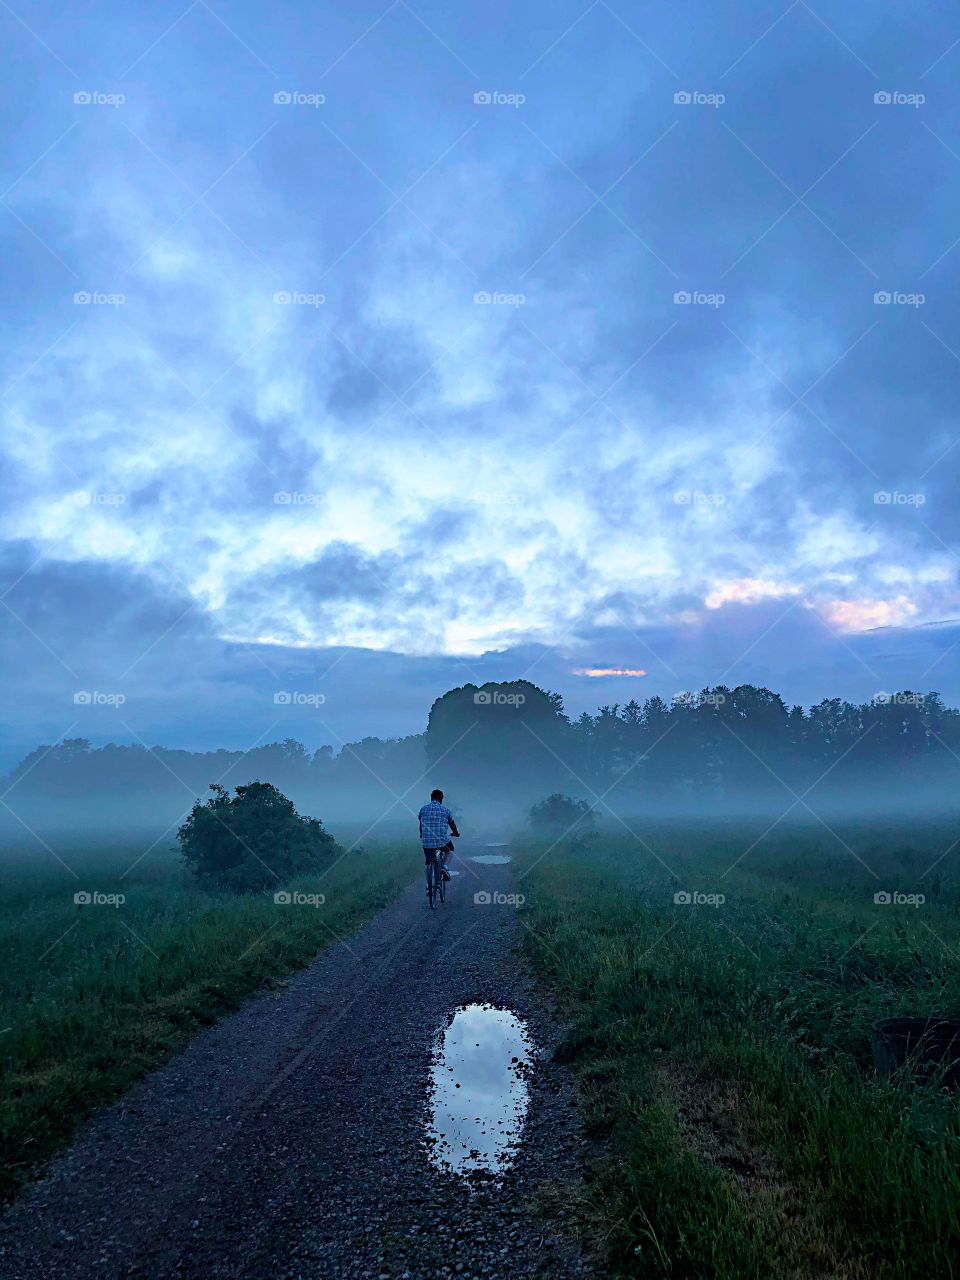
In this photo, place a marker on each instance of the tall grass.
(765, 1002)
(93, 996)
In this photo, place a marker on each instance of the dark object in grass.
(930, 1045)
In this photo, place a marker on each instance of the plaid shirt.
(435, 821)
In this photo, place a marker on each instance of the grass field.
(725, 1046)
(93, 996)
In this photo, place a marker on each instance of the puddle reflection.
(479, 1091)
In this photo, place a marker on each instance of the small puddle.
(495, 844)
(489, 859)
(478, 1091)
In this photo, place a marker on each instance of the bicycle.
(437, 881)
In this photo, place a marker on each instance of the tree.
(501, 740)
(253, 840)
(560, 815)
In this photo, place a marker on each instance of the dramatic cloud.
(441, 344)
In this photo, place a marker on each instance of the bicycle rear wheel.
(432, 882)
(441, 883)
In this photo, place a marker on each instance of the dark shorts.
(430, 855)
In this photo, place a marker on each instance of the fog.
(499, 749)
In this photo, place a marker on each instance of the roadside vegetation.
(722, 983)
(97, 990)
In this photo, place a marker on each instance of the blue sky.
(362, 350)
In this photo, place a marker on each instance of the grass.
(93, 997)
(725, 1049)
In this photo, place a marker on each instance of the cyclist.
(435, 820)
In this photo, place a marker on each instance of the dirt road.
(288, 1140)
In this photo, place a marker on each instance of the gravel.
(288, 1141)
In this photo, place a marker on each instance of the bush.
(252, 841)
(560, 815)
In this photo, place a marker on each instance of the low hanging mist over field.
(501, 748)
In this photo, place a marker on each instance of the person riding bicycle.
(435, 820)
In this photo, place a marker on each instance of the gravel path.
(287, 1141)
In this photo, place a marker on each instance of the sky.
(352, 352)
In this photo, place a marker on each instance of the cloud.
(401, 469)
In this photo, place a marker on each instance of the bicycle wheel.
(441, 883)
(432, 882)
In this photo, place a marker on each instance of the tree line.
(513, 743)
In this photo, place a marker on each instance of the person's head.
(436, 795)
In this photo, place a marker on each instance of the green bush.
(252, 841)
(560, 815)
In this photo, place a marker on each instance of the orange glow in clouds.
(861, 615)
(593, 672)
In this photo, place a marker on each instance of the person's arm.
(453, 825)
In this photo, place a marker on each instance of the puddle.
(490, 858)
(478, 1091)
(495, 844)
